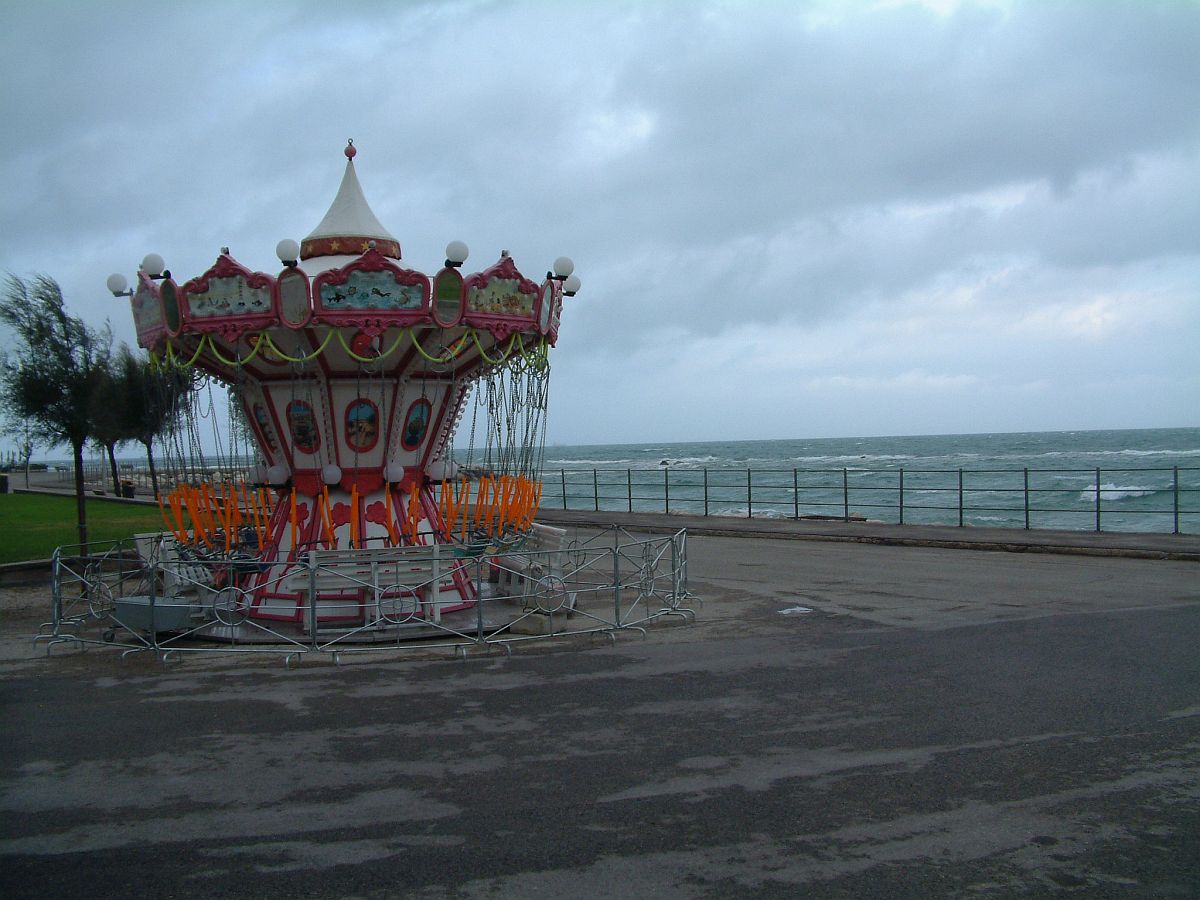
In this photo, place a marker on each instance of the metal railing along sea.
(1165, 500)
(1156, 499)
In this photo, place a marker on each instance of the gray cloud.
(890, 189)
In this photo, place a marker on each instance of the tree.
(107, 417)
(150, 398)
(20, 431)
(50, 380)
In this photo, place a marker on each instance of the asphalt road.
(938, 722)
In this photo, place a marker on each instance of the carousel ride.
(349, 374)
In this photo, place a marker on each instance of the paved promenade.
(1084, 543)
(849, 717)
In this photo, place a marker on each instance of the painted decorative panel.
(232, 296)
(147, 311)
(364, 290)
(500, 296)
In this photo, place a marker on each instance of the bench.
(180, 577)
(535, 570)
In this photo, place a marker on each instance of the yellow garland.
(537, 355)
(299, 359)
(451, 352)
(170, 353)
(228, 362)
(504, 354)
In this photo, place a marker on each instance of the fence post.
(153, 601)
(845, 494)
(1026, 498)
(960, 498)
(563, 473)
(479, 563)
(666, 489)
(795, 495)
(629, 487)
(749, 496)
(901, 495)
(616, 555)
(1097, 498)
(595, 491)
(706, 491)
(1175, 496)
(312, 598)
(56, 588)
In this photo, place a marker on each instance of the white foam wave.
(739, 512)
(594, 463)
(1134, 453)
(691, 462)
(1111, 491)
(853, 459)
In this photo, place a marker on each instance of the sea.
(1124, 480)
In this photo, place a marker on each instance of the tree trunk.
(112, 467)
(80, 497)
(153, 471)
(27, 449)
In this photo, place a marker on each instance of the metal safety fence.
(1163, 499)
(147, 596)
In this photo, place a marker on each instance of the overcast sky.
(790, 219)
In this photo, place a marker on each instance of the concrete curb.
(29, 573)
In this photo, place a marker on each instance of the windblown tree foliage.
(52, 376)
(150, 398)
(107, 418)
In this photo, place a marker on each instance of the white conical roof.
(349, 224)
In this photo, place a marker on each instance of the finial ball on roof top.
(350, 151)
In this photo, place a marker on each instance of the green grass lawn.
(32, 525)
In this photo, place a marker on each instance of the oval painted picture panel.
(362, 425)
(545, 308)
(448, 298)
(170, 303)
(294, 305)
(415, 424)
(302, 422)
(263, 420)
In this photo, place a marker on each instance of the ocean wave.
(855, 458)
(594, 463)
(1111, 491)
(740, 512)
(1127, 452)
(691, 462)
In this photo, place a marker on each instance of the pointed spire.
(349, 224)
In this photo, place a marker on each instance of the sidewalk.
(1182, 547)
